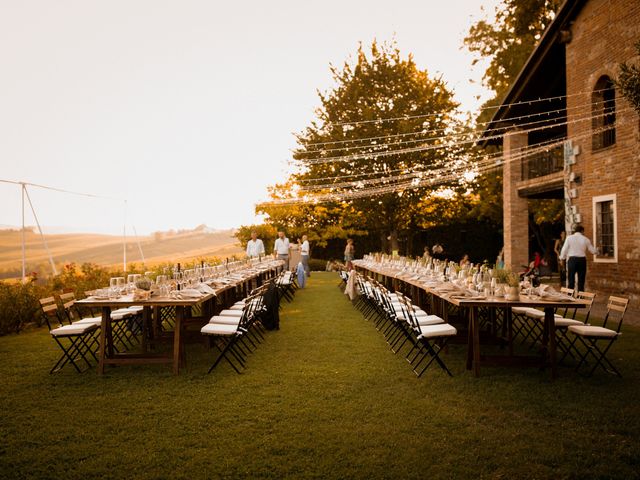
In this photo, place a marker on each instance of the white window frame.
(595, 201)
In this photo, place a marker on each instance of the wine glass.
(178, 276)
(120, 285)
(161, 282)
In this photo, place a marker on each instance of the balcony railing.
(543, 163)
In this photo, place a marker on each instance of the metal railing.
(543, 163)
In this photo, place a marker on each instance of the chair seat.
(135, 309)
(539, 314)
(441, 330)
(230, 313)
(225, 320)
(75, 329)
(97, 321)
(567, 322)
(429, 320)
(120, 313)
(592, 331)
(521, 310)
(219, 329)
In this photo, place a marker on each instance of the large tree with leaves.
(381, 144)
(508, 41)
(629, 81)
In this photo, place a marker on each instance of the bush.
(19, 303)
(18, 306)
(317, 265)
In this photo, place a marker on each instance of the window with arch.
(603, 109)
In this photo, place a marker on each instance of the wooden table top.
(457, 299)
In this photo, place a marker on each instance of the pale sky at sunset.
(186, 108)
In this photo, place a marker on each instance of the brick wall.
(603, 36)
(515, 209)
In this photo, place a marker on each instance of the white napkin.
(190, 292)
(206, 289)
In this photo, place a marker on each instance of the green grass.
(323, 397)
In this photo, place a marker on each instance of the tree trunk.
(383, 242)
(395, 246)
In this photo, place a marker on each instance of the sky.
(186, 108)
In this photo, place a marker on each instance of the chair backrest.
(411, 314)
(69, 308)
(252, 304)
(565, 311)
(567, 291)
(587, 297)
(49, 312)
(616, 308)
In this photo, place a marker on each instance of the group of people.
(571, 253)
(282, 249)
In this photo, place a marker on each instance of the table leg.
(473, 348)
(550, 329)
(177, 340)
(106, 317)
(469, 341)
(109, 332)
(507, 318)
(146, 315)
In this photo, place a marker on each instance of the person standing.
(349, 254)
(574, 252)
(281, 249)
(557, 248)
(255, 247)
(304, 255)
(438, 251)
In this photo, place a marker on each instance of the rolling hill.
(107, 250)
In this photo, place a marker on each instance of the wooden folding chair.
(598, 340)
(433, 339)
(226, 334)
(73, 340)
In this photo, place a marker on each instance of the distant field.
(107, 249)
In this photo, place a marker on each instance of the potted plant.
(513, 290)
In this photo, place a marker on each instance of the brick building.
(581, 143)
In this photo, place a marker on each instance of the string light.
(488, 107)
(472, 140)
(439, 177)
(435, 130)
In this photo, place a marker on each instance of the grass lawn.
(323, 397)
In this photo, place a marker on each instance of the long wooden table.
(473, 306)
(107, 354)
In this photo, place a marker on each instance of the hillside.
(107, 249)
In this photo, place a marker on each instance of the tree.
(406, 159)
(508, 42)
(487, 197)
(321, 222)
(267, 233)
(628, 82)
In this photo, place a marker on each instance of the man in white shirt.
(281, 249)
(574, 252)
(304, 255)
(255, 247)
